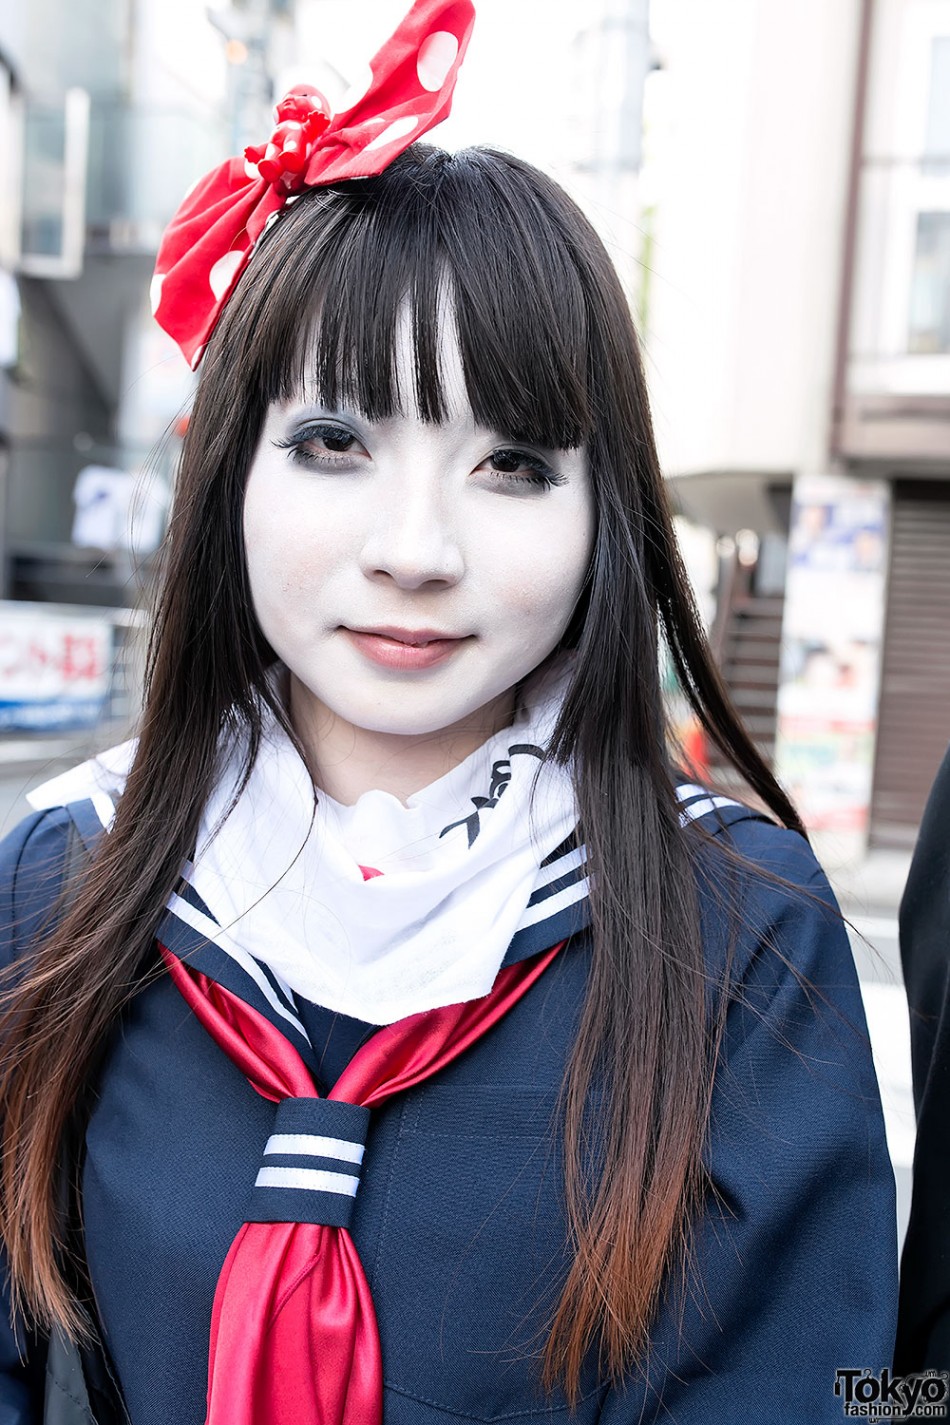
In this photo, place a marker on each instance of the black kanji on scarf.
(500, 777)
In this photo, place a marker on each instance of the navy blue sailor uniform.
(459, 1218)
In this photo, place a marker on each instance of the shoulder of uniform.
(766, 907)
(754, 836)
(35, 844)
(711, 809)
(32, 863)
(35, 859)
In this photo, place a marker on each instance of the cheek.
(539, 575)
(289, 551)
(267, 572)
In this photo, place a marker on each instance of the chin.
(404, 723)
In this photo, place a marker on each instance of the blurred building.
(109, 110)
(798, 331)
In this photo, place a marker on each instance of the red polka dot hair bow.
(209, 240)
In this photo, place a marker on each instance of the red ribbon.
(294, 1339)
(209, 240)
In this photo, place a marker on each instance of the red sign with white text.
(55, 670)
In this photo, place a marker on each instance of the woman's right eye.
(324, 445)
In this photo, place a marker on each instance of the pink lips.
(403, 648)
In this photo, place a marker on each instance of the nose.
(413, 540)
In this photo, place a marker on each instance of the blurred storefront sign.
(55, 668)
(831, 651)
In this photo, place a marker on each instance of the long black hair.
(549, 356)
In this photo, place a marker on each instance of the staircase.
(746, 641)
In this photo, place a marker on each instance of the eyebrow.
(317, 410)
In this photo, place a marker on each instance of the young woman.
(411, 1041)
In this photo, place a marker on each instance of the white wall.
(748, 133)
(516, 69)
(178, 56)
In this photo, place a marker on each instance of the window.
(930, 286)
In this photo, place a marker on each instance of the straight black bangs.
(478, 237)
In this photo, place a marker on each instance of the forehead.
(409, 371)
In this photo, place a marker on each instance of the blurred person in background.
(923, 1339)
(400, 864)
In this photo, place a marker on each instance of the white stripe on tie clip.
(311, 1179)
(312, 1145)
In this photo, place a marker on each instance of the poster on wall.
(55, 670)
(831, 650)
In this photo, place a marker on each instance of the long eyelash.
(542, 477)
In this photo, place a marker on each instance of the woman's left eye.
(513, 468)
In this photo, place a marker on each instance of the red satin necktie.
(294, 1339)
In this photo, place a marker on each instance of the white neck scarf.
(482, 854)
(458, 864)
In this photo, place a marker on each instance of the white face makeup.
(410, 574)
